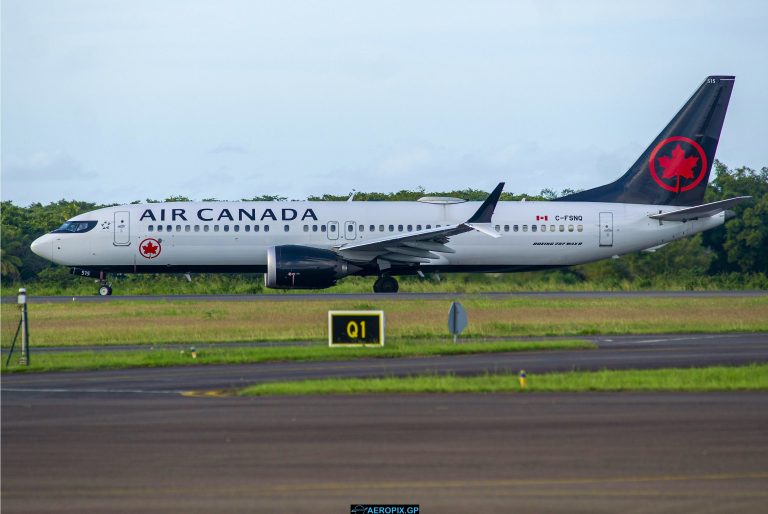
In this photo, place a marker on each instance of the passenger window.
(562, 228)
(206, 228)
(410, 228)
(266, 228)
(525, 228)
(350, 228)
(429, 227)
(187, 228)
(237, 228)
(151, 228)
(498, 228)
(399, 228)
(543, 228)
(391, 228)
(551, 228)
(197, 228)
(333, 228)
(533, 228)
(570, 228)
(215, 228)
(514, 228)
(256, 228)
(306, 228)
(381, 228)
(178, 228)
(314, 228)
(226, 228)
(322, 228)
(169, 228)
(372, 228)
(286, 228)
(418, 227)
(247, 228)
(506, 228)
(362, 228)
(580, 228)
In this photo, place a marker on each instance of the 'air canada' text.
(209, 214)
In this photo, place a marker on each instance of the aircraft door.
(350, 230)
(606, 229)
(122, 228)
(332, 230)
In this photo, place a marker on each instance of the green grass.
(196, 322)
(159, 357)
(744, 378)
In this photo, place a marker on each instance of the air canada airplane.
(311, 245)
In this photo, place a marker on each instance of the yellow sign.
(355, 328)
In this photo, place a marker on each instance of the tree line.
(734, 255)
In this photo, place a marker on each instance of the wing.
(424, 245)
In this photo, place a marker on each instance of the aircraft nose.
(43, 246)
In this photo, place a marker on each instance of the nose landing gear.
(105, 289)
(385, 284)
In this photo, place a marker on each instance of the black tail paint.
(674, 170)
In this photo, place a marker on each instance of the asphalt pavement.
(288, 297)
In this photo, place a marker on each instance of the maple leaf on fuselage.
(149, 248)
(679, 165)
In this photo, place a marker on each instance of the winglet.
(485, 212)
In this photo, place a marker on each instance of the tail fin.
(674, 170)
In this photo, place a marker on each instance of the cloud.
(229, 148)
(45, 166)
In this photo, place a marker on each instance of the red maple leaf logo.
(149, 248)
(679, 165)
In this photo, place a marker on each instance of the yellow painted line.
(206, 394)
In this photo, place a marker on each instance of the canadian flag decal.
(542, 218)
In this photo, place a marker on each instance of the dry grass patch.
(157, 322)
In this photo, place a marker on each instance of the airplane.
(312, 245)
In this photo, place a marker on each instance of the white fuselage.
(235, 236)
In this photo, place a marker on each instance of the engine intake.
(304, 267)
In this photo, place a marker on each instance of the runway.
(288, 297)
(448, 453)
(126, 440)
(616, 352)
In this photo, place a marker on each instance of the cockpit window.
(72, 227)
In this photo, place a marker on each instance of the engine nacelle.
(304, 267)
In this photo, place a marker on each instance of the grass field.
(720, 378)
(159, 357)
(194, 322)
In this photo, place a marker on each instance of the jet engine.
(304, 267)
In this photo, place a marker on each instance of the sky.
(113, 101)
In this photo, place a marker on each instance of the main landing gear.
(385, 284)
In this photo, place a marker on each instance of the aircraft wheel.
(386, 285)
(105, 291)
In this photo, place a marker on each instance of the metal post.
(22, 301)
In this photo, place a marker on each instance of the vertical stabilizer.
(674, 169)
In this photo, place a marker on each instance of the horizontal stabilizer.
(699, 211)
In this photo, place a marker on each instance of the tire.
(388, 285)
(105, 291)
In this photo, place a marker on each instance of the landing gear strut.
(385, 284)
(104, 288)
